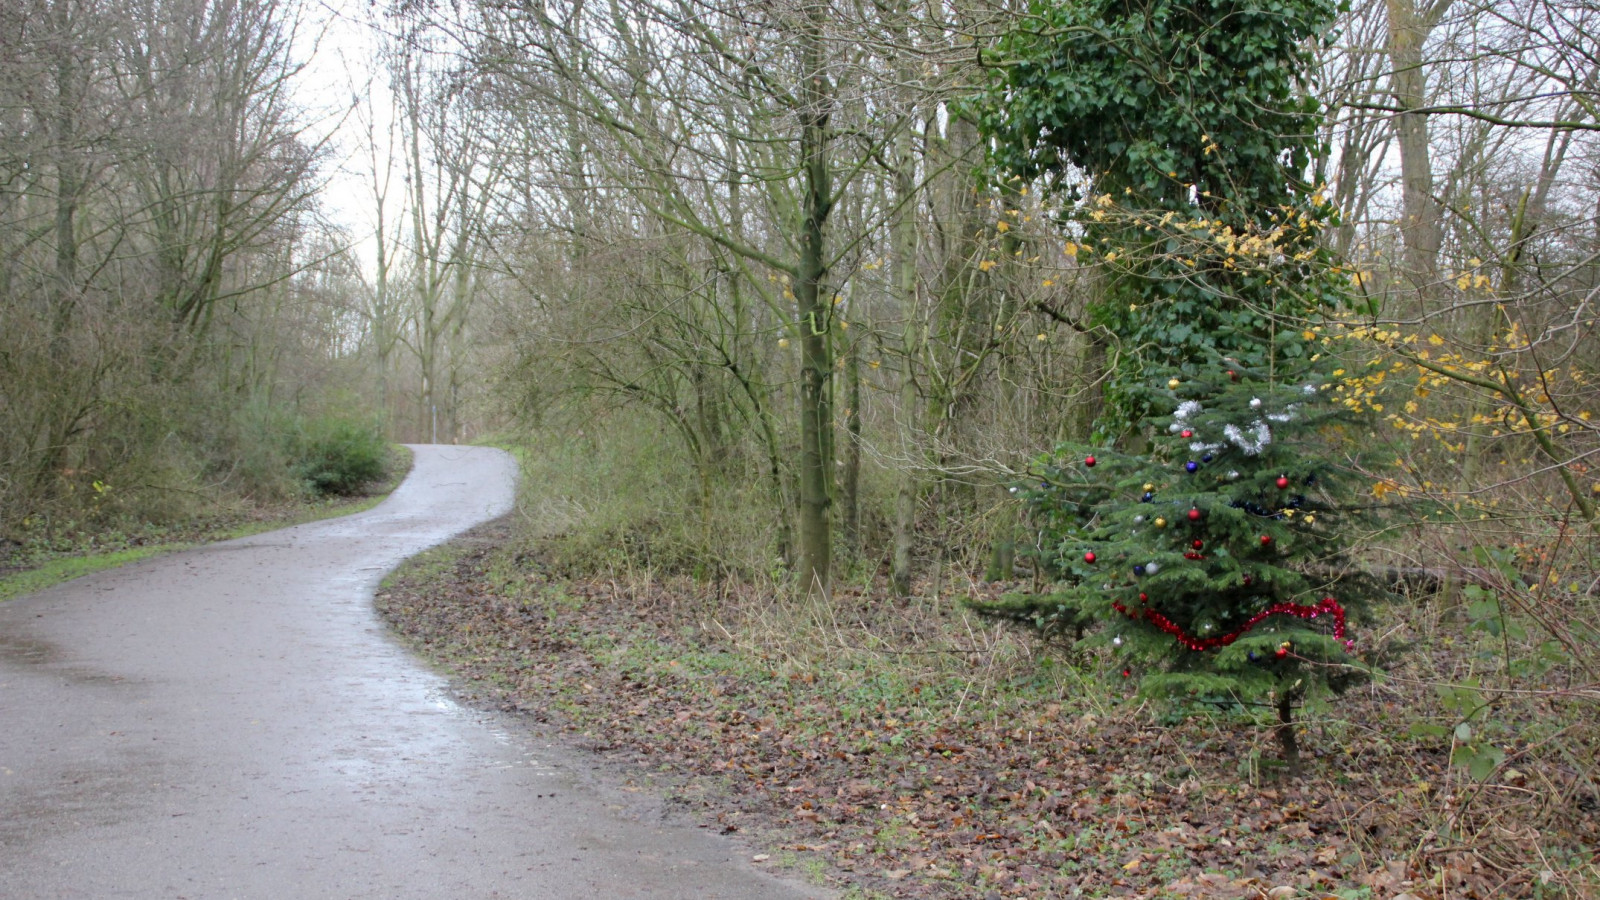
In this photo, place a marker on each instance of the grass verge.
(29, 569)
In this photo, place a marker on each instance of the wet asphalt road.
(235, 721)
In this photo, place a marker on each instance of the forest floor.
(915, 750)
(50, 553)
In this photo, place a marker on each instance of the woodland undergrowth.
(910, 749)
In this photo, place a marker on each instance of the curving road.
(234, 721)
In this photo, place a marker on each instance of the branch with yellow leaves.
(1507, 389)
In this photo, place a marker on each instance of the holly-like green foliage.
(1180, 137)
(1166, 98)
(1183, 133)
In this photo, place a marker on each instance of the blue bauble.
(1147, 497)
(1207, 458)
(1191, 466)
(1138, 570)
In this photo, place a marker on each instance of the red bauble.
(1266, 539)
(1283, 482)
(1199, 543)
(1089, 557)
(1144, 598)
(1281, 653)
(1126, 672)
(1186, 434)
(1194, 515)
(1089, 461)
(1232, 375)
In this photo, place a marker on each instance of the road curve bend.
(235, 722)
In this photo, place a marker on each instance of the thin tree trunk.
(850, 472)
(904, 250)
(1287, 742)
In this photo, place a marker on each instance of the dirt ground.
(907, 751)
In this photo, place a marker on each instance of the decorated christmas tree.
(1213, 566)
(1201, 532)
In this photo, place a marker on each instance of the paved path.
(234, 721)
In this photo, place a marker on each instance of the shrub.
(339, 456)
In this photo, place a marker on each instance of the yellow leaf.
(1002, 227)
(1070, 249)
(986, 265)
(1132, 864)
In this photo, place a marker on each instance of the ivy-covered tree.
(1184, 132)
(1201, 531)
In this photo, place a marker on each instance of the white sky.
(337, 44)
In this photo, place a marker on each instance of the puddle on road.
(27, 651)
(31, 653)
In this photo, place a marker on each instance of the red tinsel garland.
(1326, 605)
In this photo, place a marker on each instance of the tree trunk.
(1284, 731)
(850, 472)
(816, 361)
(904, 249)
(1421, 228)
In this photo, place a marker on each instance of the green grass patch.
(67, 568)
(45, 568)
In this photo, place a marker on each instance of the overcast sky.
(338, 45)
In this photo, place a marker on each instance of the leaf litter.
(909, 750)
